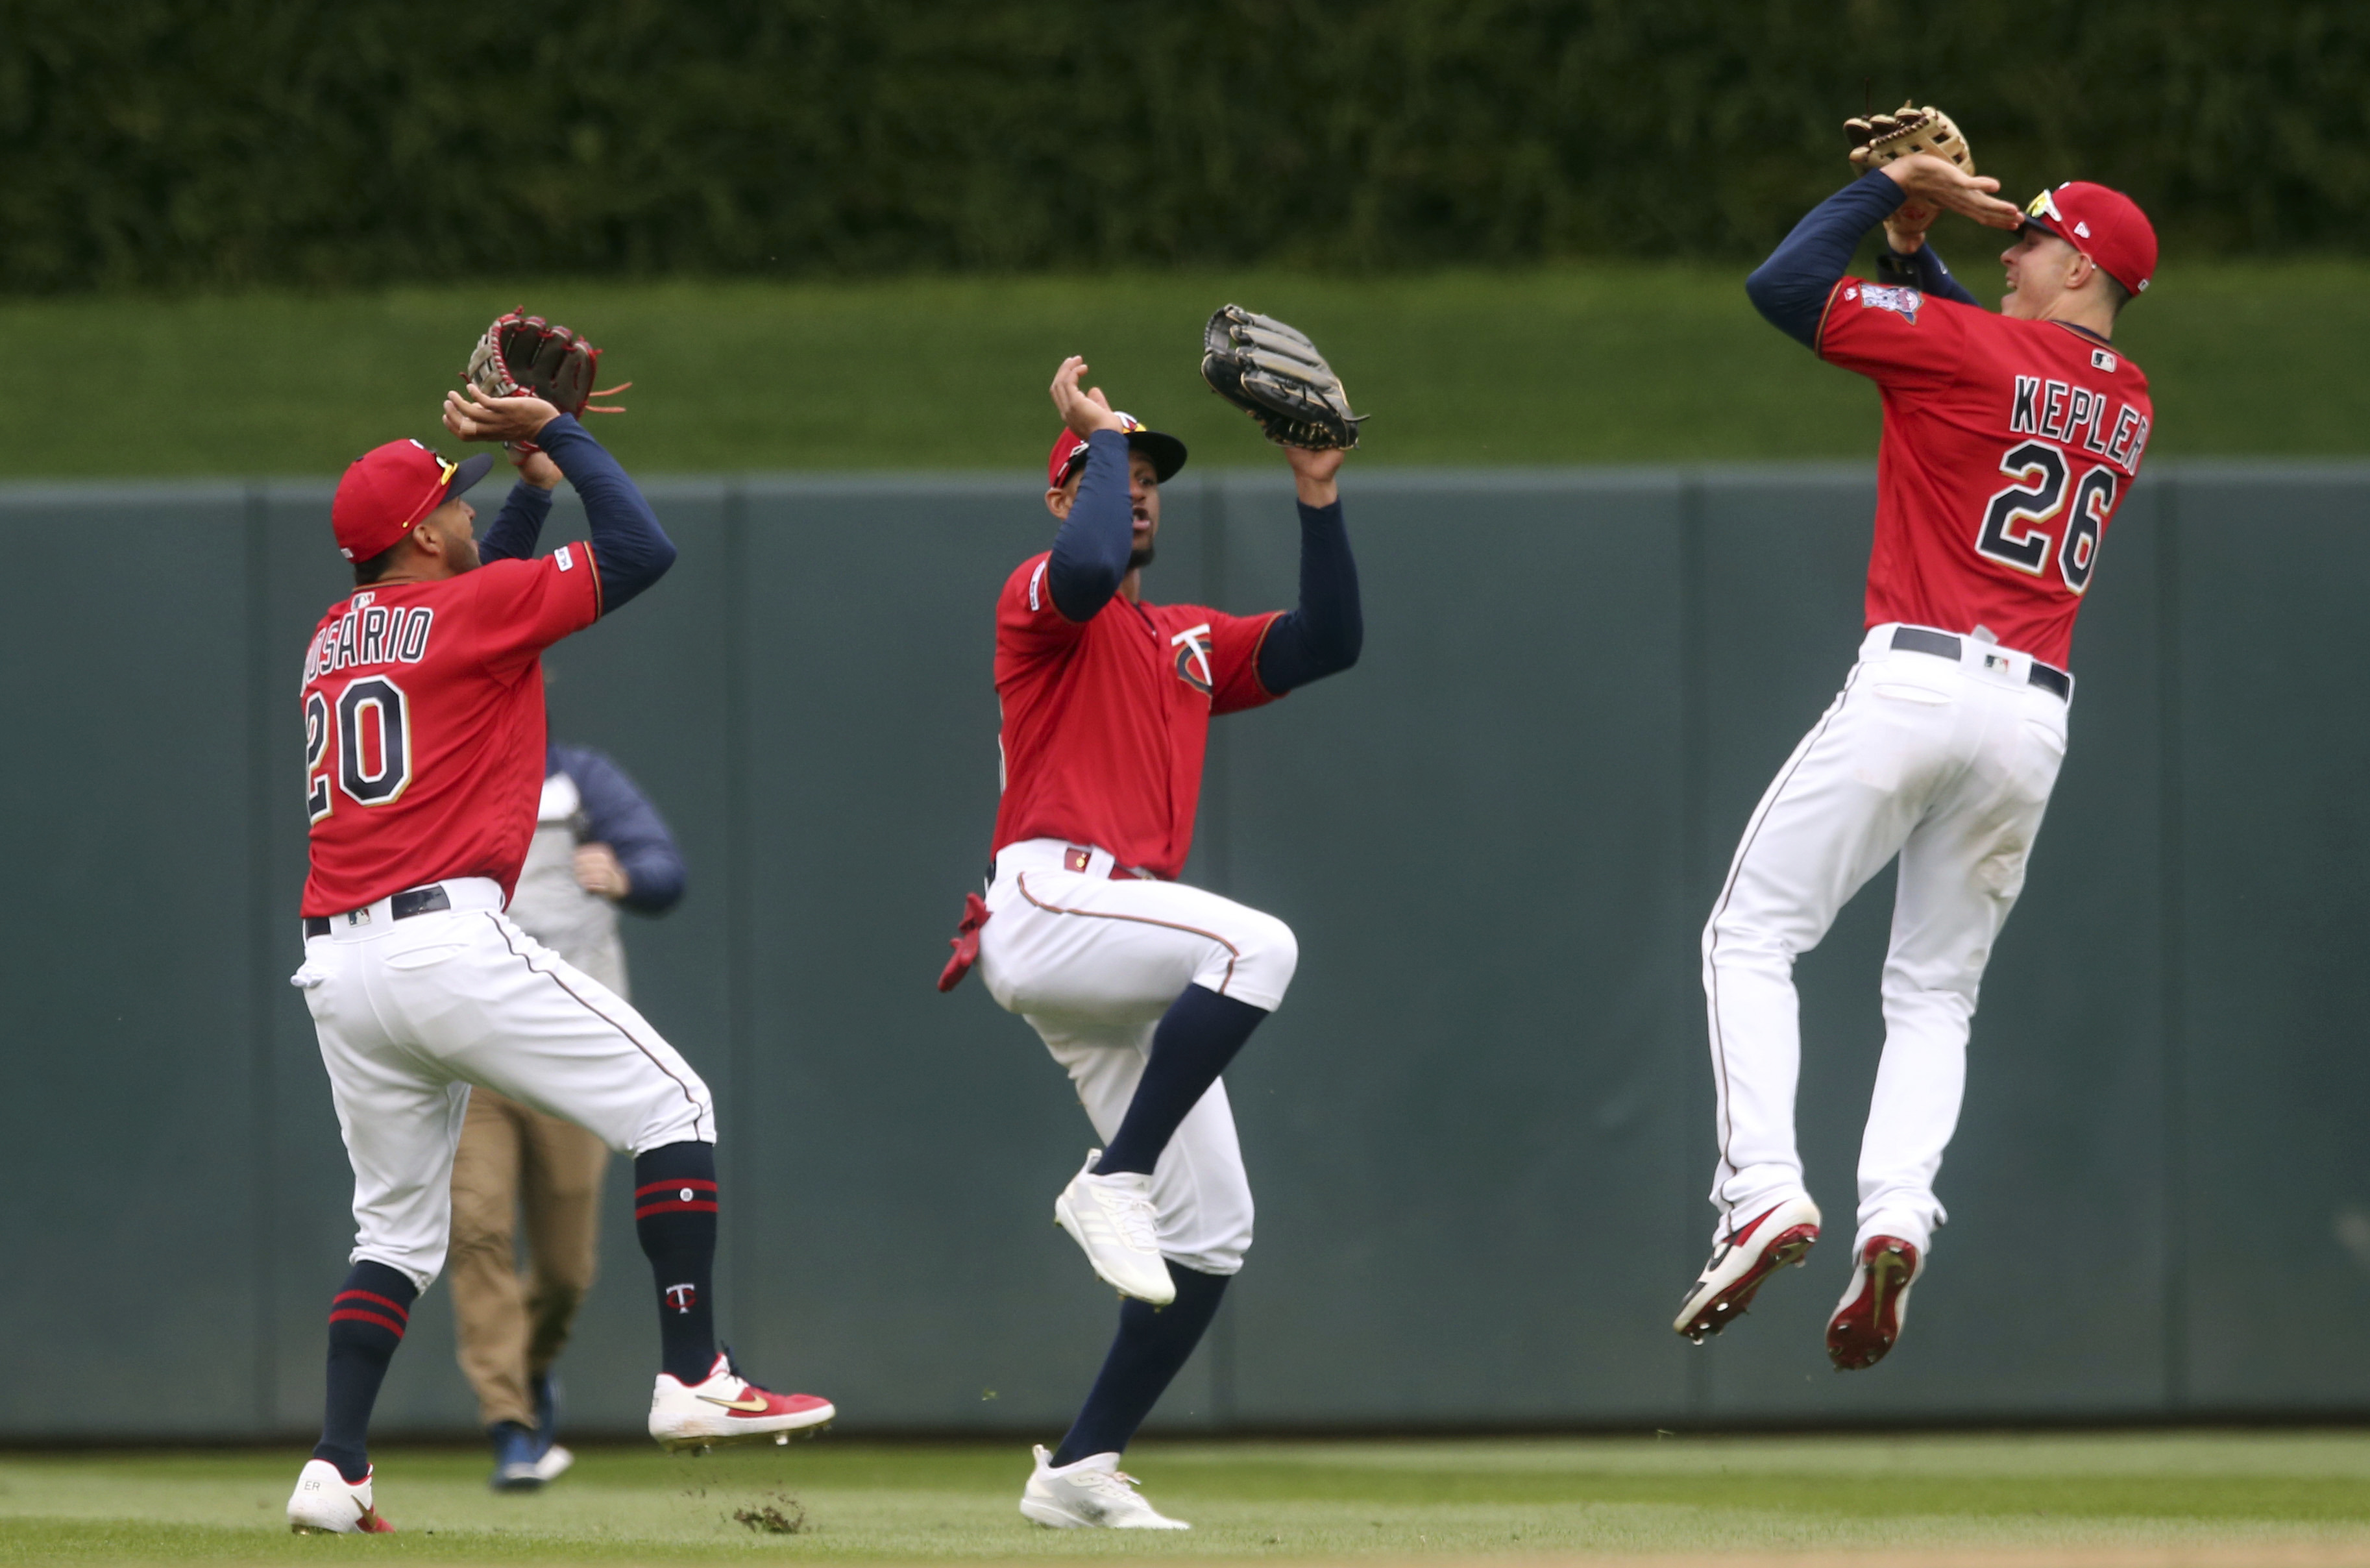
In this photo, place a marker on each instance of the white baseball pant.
(411, 1012)
(1092, 964)
(1949, 766)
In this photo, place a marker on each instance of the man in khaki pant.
(598, 844)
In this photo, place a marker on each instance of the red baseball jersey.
(424, 728)
(2008, 447)
(1106, 721)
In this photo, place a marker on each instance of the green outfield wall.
(1479, 1127)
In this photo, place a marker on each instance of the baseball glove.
(1274, 373)
(1880, 138)
(523, 356)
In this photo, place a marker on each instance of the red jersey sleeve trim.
(1260, 647)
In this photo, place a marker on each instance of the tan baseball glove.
(1880, 138)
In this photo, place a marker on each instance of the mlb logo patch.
(2101, 360)
(566, 558)
(1901, 302)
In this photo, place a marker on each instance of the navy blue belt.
(402, 906)
(1942, 645)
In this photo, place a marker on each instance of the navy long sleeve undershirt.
(1320, 638)
(1323, 636)
(1791, 287)
(1090, 553)
(618, 814)
(513, 533)
(630, 551)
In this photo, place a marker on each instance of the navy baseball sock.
(366, 1322)
(1153, 1342)
(1197, 1037)
(674, 1219)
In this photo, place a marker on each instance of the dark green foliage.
(228, 142)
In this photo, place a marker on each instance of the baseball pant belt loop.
(1945, 645)
(371, 919)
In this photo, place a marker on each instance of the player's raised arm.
(1791, 287)
(630, 551)
(1321, 637)
(1090, 553)
(515, 531)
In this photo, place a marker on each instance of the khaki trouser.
(511, 1325)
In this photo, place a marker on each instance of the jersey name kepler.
(369, 633)
(2058, 411)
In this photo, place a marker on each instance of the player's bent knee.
(1264, 957)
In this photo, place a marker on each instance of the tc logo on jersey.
(1901, 302)
(683, 1298)
(1193, 658)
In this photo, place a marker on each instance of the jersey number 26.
(2011, 533)
(373, 736)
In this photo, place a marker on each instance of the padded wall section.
(1480, 1126)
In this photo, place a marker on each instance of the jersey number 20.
(373, 733)
(2010, 534)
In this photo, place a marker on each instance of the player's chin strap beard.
(1137, 560)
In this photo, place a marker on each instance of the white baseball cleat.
(1093, 1493)
(1867, 1320)
(553, 1464)
(325, 1503)
(1744, 1257)
(727, 1408)
(1112, 1218)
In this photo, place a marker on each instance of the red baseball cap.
(1168, 452)
(389, 488)
(2106, 225)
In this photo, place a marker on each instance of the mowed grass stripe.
(1595, 364)
(1345, 1501)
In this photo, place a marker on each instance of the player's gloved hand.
(473, 416)
(600, 872)
(1084, 409)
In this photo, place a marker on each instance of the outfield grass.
(1570, 364)
(2079, 1496)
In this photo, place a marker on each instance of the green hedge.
(213, 142)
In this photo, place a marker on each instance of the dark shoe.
(514, 1459)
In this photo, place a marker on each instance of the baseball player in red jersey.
(2009, 440)
(423, 767)
(1142, 988)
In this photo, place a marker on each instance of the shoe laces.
(1116, 1484)
(734, 1383)
(1131, 1213)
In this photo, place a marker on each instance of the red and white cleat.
(1744, 1258)
(1867, 1320)
(326, 1502)
(728, 1408)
